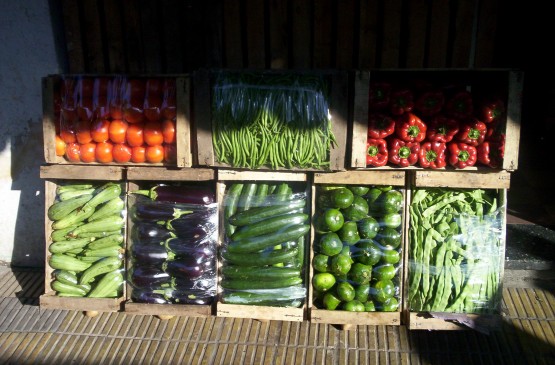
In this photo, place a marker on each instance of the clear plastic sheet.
(263, 251)
(456, 251)
(272, 120)
(87, 239)
(172, 251)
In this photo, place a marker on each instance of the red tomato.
(170, 153)
(60, 146)
(72, 152)
(115, 97)
(168, 130)
(153, 133)
(122, 152)
(135, 135)
(138, 154)
(83, 131)
(68, 136)
(117, 130)
(153, 100)
(100, 130)
(87, 152)
(154, 154)
(103, 152)
(133, 115)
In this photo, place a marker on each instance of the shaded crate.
(502, 83)
(490, 318)
(337, 89)
(54, 176)
(258, 312)
(346, 319)
(58, 117)
(162, 175)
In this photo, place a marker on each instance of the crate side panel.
(48, 120)
(167, 174)
(183, 122)
(360, 119)
(366, 177)
(462, 179)
(202, 118)
(78, 172)
(339, 110)
(514, 111)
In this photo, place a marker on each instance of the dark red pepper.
(460, 105)
(491, 110)
(376, 152)
(461, 155)
(380, 125)
(495, 131)
(442, 129)
(402, 101)
(379, 95)
(429, 103)
(491, 153)
(472, 132)
(403, 153)
(432, 155)
(410, 128)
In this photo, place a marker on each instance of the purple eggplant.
(190, 247)
(198, 195)
(147, 296)
(187, 268)
(201, 218)
(149, 277)
(150, 231)
(205, 283)
(150, 254)
(177, 296)
(146, 210)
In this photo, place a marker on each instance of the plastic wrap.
(271, 120)
(357, 262)
(263, 251)
(172, 250)
(87, 239)
(117, 120)
(456, 250)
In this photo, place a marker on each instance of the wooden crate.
(261, 313)
(162, 174)
(54, 175)
(51, 86)
(338, 111)
(346, 319)
(508, 83)
(418, 320)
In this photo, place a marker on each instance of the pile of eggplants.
(172, 251)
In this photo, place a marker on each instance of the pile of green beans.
(270, 120)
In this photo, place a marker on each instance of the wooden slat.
(439, 34)
(72, 30)
(322, 34)
(256, 35)
(133, 45)
(416, 41)
(463, 179)
(183, 122)
(151, 35)
(81, 172)
(391, 34)
(486, 28)
(232, 175)
(345, 41)
(278, 36)
(514, 111)
(339, 112)
(368, 33)
(162, 173)
(94, 55)
(364, 177)
(462, 39)
(48, 119)
(233, 42)
(203, 118)
(360, 119)
(300, 38)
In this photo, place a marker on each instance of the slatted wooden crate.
(180, 150)
(136, 176)
(348, 320)
(506, 84)
(53, 176)
(500, 181)
(261, 313)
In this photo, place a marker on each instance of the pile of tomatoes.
(117, 120)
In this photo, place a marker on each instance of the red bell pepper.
(376, 152)
(402, 101)
(461, 155)
(472, 132)
(379, 95)
(460, 105)
(380, 125)
(442, 129)
(491, 110)
(432, 155)
(403, 153)
(410, 128)
(495, 131)
(491, 153)
(429, 103)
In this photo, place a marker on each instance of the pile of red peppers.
(432, 127)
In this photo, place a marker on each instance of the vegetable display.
(420, 112)
(172, 249)
(264, 246)
(455, 250)
(117, 120)
(270, 120)
(357, 248)
(86, 248)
